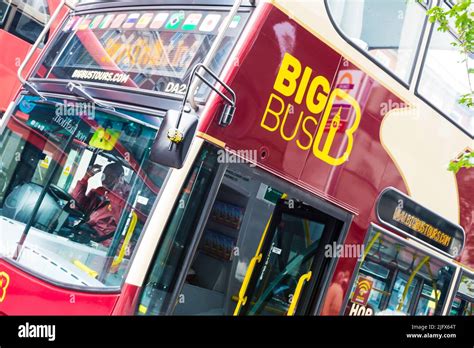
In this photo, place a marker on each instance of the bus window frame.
(454, 291)
(14, 14)
(167, 5)
(422, 68)
(410, 243)
(6, 15)
(375, 61)
(66, 286)
(271, 179)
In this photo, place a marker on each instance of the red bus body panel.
(25, 294)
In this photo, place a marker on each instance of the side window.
(4, 8)
(24, 18)
(463, 303)
(397, 278)
(447, 69)
(388, 31)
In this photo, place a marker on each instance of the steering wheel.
(72, 207)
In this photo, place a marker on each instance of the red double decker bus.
(21, 22)
(239, 158)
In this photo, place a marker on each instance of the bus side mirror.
(178, 127)
(172, 143)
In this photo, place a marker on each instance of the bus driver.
(102, 205)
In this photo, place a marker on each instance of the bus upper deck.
(268, 194)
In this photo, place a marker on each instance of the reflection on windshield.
(76, 189)
(147, 50)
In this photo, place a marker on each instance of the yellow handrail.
(128, 236)
(256, 259)
(370, 245)
(299, 287)
(433, 283)
(410, 280)
(85, 268)
(243, 289)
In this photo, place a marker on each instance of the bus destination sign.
(400, 212)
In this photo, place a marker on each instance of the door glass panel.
(290, 256)
(162, 280)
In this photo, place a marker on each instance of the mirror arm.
(174, 134)
(215, 47)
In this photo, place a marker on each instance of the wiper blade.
(32, 90)
(78, 90)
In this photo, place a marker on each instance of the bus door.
(288, 261)
(241, 242)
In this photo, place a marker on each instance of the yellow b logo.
(324, 153)
(4, 281)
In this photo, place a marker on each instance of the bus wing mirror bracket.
(177, 130)
(172, 143)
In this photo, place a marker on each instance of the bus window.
(396, 278)
(463, 303)
(396, 46)
(427, 302)
(4, 8)
(70, 210)
(379, 274)
(24, 18)
(204, 258)
(446, 68)
(147, 50)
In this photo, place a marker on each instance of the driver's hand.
(91, 171)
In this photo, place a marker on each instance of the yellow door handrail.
(299, 287)
(128, 236)
(243, 289)
(256, 259)
(410, 280)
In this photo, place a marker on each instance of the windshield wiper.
(78, 90)
(32, 90)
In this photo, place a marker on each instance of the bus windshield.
(76, 189)
(151, 50)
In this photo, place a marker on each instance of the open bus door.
(288, 261)
(236, 244)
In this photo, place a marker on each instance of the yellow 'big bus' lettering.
(291, 81)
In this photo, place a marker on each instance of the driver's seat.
(19, 205)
